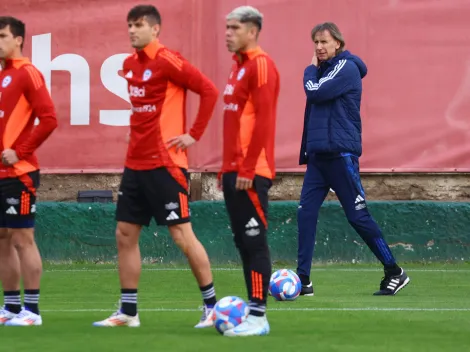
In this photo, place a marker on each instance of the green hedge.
(416, 231)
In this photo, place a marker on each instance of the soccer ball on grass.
(229, 312)
(284, 285)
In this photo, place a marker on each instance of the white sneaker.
(207, 319)
(6, 315)
(252, 326)
(119, 319)
(25, 318)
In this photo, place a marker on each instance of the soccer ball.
(285, 285)
(229, 312)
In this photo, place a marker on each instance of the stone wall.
(441, 187)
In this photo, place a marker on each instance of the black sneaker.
(390, 285)
(307, 290)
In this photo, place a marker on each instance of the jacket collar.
(151, 50)
(16, 63)
(248, 55)
(334, 60)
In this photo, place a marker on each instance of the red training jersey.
(23, 97)
(158, 80)
(250, 104)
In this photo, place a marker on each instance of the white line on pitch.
(239, 269)
(274, 309)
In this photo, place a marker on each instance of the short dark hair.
(150, 13)
(17, 28)
(334, 31)
(254, 21)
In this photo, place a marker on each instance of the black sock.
(257, 309)
(129, 301)
(12, 300)
(304, 279)
(208, 295)
(392, 270)
(31, 300)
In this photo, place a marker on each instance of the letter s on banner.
(116, 85)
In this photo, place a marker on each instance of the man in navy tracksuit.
(331, 147)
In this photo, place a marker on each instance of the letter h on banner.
(80, 81)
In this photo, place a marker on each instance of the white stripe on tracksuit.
(315, 86)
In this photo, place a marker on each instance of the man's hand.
(243, 184)
(9, 157)
(181, 142)
(128, 137)
(314, 59)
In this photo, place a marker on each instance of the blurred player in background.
(331, 147)
(23, 97)
(250, 103)
(155, 180)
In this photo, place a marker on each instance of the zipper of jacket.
(329, 126)
(329, 131)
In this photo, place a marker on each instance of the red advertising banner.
(416, 99)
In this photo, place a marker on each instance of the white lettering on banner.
(231, 107)
(116, 85)
(80, 81)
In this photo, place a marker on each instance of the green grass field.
(431, 314)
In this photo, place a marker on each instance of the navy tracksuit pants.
(340, 173)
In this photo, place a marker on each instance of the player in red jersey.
(23, 97)
(250, 103)
(155, 181)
